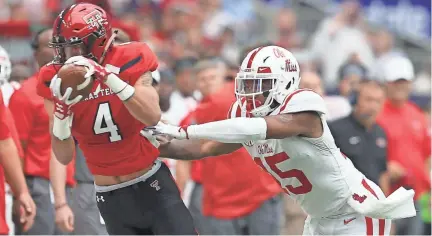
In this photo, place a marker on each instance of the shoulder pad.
(46, 73)
(136, 59)
(303, 100)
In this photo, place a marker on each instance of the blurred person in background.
(340, 36)
(19, 73)
(189, 181)
(163, 83)
(121, 37)
(166, 88)
(425, 199)
(184, 98)
(422, 82)
(7, 87)
(407, 138)
(287, 35)
(361, 139)
(33, 130)
(337, 106)
(382, 42)
(11, 163)
(225, 189)
(11, 167)
(350, 75)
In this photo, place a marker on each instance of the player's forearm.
(144, 105)
(58, 180)
(182, 150)
(12, 166)
(63, 149)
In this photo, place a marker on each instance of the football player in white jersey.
(283, 129)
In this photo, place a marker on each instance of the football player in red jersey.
(136, 193)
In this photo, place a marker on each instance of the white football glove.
(170, 130)
(62, 113)
(148, 134)
(55, 87)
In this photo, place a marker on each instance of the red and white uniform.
(107, 133)
(315, 173)
(7, 130)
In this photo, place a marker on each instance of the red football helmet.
(82, 29)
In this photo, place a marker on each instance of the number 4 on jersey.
(104, 123)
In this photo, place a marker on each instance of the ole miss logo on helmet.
(289, 67)
(359, 198)
(96, 20)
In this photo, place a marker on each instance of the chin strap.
(109, 43)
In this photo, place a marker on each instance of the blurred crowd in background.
(375, 79)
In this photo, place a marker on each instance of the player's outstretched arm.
(63, 149)
(144, 103)
(242, 129)
(307, 124)
(196, 149)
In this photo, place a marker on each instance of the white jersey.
(312, 171)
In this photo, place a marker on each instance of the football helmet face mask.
(82, 29)
(5, 66)
(267, 75)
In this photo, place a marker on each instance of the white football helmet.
(5, 66)
(270, 71)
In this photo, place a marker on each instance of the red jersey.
(32, 122)
(4, 134)
(4, 129)
(107, 133)
(408, 143)
(7, 125)
(233, 184)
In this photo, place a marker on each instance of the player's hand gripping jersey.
(107, 133)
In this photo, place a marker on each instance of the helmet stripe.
(61, 15)
(251, 58)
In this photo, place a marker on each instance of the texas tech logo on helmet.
(96, 20)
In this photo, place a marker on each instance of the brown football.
(73, 76)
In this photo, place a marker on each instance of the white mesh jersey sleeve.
(303, 100)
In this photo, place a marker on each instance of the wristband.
(61, 128)
(122, 89)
